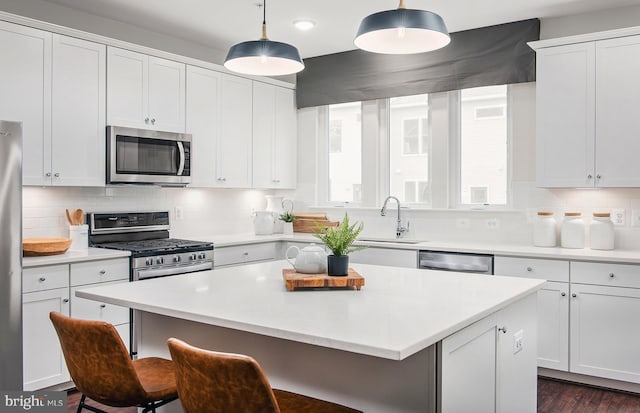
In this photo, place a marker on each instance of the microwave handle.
(181, 164)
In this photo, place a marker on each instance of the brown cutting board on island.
(295, 280)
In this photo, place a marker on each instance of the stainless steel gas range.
(153, 253)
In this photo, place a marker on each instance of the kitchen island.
(410, 341)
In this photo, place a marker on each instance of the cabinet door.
(605, 337)
(203, 123)
(468, 369)
(95, 310)
(127, 88)
(264, 135)
(25, 82)
(565, 115)
(617, 108)
(43, 362)
(234, 151)
(553, 326)
(286, 137)
(166, 95)
(78, 112)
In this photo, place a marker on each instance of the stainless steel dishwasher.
(456, 261)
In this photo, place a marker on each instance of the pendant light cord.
(264, 20)
(401, 5)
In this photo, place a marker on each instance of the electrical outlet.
(463, 223)
(517, 341)
(635, 218)
(492, 223)
(179, 213)
(618, 217)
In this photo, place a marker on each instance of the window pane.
(483, 145)
(409, 134)
(345, 152)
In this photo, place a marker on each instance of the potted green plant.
(287, 217)
(339, 240)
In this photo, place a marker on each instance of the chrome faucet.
(400, 230)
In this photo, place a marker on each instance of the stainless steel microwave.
(139, 156)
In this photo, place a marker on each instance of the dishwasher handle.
(439, 265)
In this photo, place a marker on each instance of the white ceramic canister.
(601, 232)
(544, 230)
(79, 235)
(263, 223)
(572, 232)
(274, 204)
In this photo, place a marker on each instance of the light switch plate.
(517, 341)
(635, 218)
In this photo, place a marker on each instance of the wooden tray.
(34, 247)
(294, 280)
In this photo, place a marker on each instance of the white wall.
(205, 211)
(590, 22)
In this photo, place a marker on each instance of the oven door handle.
(182, 158)
(183, 269)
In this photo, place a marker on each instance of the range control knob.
(160, 260)
(193, 257)
(149, 261)
(176, 258)
(202, 256)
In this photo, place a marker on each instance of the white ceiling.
(219, 24)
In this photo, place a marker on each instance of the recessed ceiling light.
(304, 25)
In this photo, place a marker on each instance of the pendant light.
(264, 57)
(402, 31)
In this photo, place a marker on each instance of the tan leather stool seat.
(214, 382)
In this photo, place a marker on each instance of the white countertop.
(515, 250)
(71, 256)
(396, 314)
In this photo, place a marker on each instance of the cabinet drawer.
(385, 256)
(615, 275)
(244, 254)
(95, 310)
(99, 271)
(45, 278)
(550, 270)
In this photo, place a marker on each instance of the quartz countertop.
(397, 313)
(514, 250)
(71, 256)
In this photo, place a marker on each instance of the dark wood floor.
(553, 397)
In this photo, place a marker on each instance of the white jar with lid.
(601, 232)
(572, 232)
(544, 230)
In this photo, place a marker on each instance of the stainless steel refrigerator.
(10, 255)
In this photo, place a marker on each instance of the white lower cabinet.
(244, 254)
(481, 370)
(45, 289)
(605, 338)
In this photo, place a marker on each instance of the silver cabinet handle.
(589, 176)
(611, 275)
(146, 120)
(574, 295)
(57, 174)
(42, 279)
(65, 300)
(563, 294)
(503, 329)
(103, 272)
(224, 179)
(529, 269)
(598, 176)
(153, 121)
(103, 305)
(246, 254)
(48, 174)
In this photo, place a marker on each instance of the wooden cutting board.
(308, 222)
(293, 280)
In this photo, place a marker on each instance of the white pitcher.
(263, 222)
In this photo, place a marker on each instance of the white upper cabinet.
(25, 82)
(78, 112)
(617, 109)
(203, 123)
(274, 137)
(145, 92)
(587, 101)
(233, 151)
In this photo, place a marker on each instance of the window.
(483, 146)
(409, 148)
(345, 148)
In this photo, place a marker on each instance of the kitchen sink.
(392, 240)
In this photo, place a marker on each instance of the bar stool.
(213, 382)
(101, 368)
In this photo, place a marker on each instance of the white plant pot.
(287, 228)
